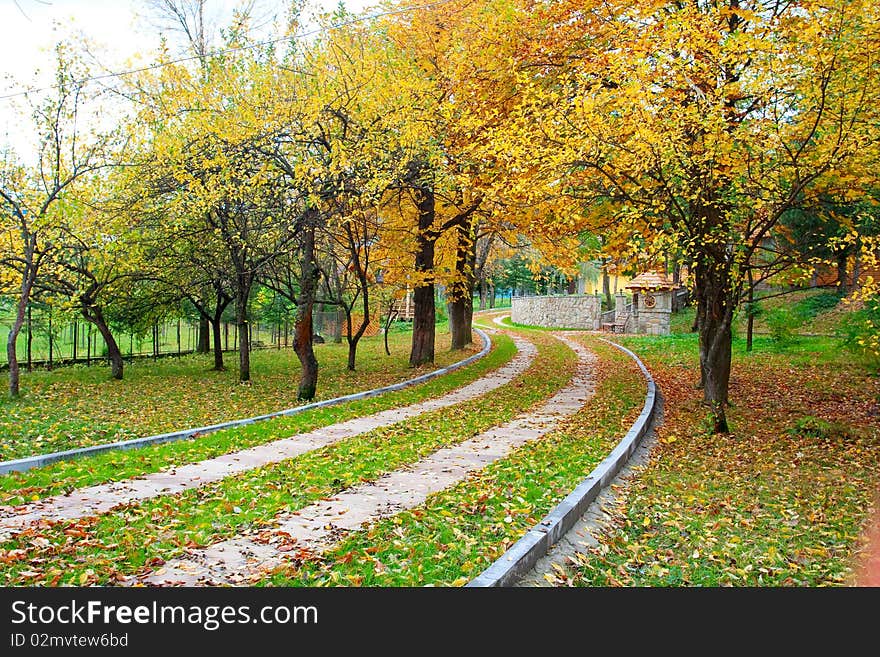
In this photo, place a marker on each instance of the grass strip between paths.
(463, 529)
(139, 537)
(66, 476)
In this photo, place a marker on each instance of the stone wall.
(573, 311)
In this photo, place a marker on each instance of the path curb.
(522, 556)
(28, 462)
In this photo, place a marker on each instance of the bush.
(814, 427)
(861, 332)
(781, 322)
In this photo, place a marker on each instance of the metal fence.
(43, 343)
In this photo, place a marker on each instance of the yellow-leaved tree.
(699, 125)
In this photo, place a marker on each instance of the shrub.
(814, 427)
(781, 322)
(861, 332)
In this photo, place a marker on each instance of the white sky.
(123, 35)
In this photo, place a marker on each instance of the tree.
(209, 170)
(30, 194)
(96, 252)
(700, 124)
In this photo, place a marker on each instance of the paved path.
(319, 526)
(94, 500)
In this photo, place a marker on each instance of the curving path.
(94, 500)
(319, 526)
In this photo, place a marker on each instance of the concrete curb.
(28, 462)
(522, 556)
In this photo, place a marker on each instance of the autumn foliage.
(397, 153)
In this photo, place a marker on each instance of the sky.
(123, 34)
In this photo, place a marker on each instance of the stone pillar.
(654, 317)
(619, 306)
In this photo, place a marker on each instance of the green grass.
(780, 501)
(680, 348)
(80, 406)
(805, 312)
(96, 550)
(17, 488)
(459, 531)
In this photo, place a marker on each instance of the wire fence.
(44, 343)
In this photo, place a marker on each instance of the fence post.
(50, 338)
(178, 338)
(89, 346)
(30, 338)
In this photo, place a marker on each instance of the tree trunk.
(842, 276)
(27, 284)
(302, 342)
(484, 293)
(11, 357)
(243, 329)
(424, 314)
(95, 315)
(461, 316)
(354, 335)
(461, 291)
(30, 339)
(223, 300)
(716, 339)
(204, 334)
(218, 346)
(606, 286)
(699, 311)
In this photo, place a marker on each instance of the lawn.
(780, 501)
(138, 537)
(80, 406)
(460, 531)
